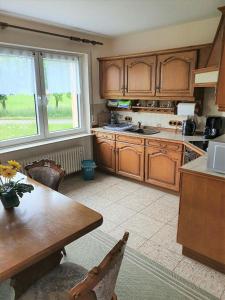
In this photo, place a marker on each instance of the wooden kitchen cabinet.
(220, 92)
(162, 165)
(130, 160)
(105, 154)
(140, 76)
(112, 78)
(201, 222)
(174, 74)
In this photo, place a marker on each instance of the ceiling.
(113, 17)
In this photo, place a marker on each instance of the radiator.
(70, 159)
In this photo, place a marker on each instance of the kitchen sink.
(142, 131)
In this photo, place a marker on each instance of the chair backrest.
(46, 172)
(100, 282)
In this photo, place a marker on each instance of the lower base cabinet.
(162, 167)
(130, 160)
(157, 163)
(104, 152)
(201, 221)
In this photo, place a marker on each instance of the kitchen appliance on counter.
(215, 126)
(203, 145)
(188, 127)
(216, 155)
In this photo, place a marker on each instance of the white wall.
(187, 34)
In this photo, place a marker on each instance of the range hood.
(208, 76)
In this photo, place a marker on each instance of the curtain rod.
(72, 38)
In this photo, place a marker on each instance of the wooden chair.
(97, 284)
(46, 172)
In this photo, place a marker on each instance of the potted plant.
(10, 190)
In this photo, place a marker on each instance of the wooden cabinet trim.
(105, 135)
(166, 51)
(130, 139)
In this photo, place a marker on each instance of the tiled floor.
(150, 216)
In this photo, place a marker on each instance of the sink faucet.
(139, 125)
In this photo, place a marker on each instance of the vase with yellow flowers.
(11, 190)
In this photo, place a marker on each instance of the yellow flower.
(2, 168)
(14, 164)
(8, 172)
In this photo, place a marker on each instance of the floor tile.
(150, 215)
(173, 222)
(113, 193)
(159, 254)
(135, 202)
(108, 226)
(149, 192)
(117, 213)
(142, 225)
(166, 237)
(134, 241)
(202, 276)
(161, 210)
(127, 185)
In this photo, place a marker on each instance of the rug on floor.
(140, 278)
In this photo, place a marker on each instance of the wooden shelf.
(161, 110)
(119, 108)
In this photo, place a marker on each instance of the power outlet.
(128, 119)
(175, 123)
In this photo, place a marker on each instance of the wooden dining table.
(33, 234)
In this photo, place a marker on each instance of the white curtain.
(16, 72)
(61, 74)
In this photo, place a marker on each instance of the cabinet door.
(174, 74)
(130, 160)
(112, 78)
(105, 154)
(140, 76)
(162, 167)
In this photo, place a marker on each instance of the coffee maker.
(188, 127)
(215, 126)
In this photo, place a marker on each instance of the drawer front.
(105, 135)
(164, 145)
(130, 139)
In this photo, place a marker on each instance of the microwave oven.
(216, 155)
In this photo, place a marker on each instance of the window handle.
(44, 100)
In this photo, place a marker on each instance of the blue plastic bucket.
(88, 167)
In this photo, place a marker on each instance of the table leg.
(23, 280)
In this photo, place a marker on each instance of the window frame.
(41, 105)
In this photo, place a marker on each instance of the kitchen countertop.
(165, 135)
(199, 165)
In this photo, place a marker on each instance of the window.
(40, 95)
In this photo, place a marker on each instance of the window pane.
(62, 91)
(17, 95)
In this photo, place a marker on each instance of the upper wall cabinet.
(140, 76)
(174, 74)
(165, 76)
(112, 78)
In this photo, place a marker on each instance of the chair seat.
(56, 284)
